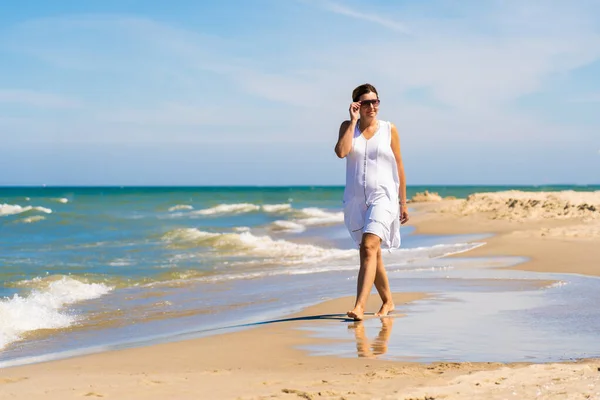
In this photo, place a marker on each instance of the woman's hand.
(355, 111)
(403, 214)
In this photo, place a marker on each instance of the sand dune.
(425, 196)
(520, 206)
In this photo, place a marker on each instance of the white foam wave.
(245, 243)
(242, 208)
(181, 207)
(35, 218)
(63, 200)
(287, 226)
(276, 208)
(44, 308)
(557, 284)
(188, 235)
(402, 257)
(304, 217)
(318, 216)
(120, 262)
(268, 254)
(10, 209)
(228, 209)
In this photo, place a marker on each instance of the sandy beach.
(557, 233)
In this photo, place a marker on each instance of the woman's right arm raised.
(344, 143)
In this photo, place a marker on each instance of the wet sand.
(265, 362)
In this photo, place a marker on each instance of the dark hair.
(363, 89)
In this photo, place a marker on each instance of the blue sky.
(253, 92)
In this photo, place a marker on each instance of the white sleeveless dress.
(372, 184)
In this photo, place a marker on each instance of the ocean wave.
(287, 226)
(242, 208)
(557, 284)
(120, 262)
(228, 209)
(432, 252)
(276, 208)
(10, 209)
(402, 261)
(247, 244)
(305, 217)
(295, 220)
(63, 200)
(317, 216)
(44, 307)
(35, 218)
(181, 207)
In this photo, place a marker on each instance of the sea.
(89, 269)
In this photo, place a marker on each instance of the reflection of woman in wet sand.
(379, 345)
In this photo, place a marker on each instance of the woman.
(375, 193)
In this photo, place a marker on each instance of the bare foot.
(357, 314)
(385, 309)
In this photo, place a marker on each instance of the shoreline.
(265, 360)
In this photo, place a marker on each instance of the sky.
(252, 92)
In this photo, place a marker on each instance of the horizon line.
(41, 186)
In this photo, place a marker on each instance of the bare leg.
(383, 288)
(369, 247)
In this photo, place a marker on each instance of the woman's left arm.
(401, 175)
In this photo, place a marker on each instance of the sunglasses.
(367, 103)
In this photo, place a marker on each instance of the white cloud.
(364, 16)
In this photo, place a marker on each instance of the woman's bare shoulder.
(344, 125)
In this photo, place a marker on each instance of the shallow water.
(477, 313)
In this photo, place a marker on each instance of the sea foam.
(245, 243)
(318, 216)
(300, 259)
(13, 209)
(305, 217)
(35, 218)
(44, 308)
(181, 207)
(268, 251)
(241, 208)
(63, 200)
(296, 220)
